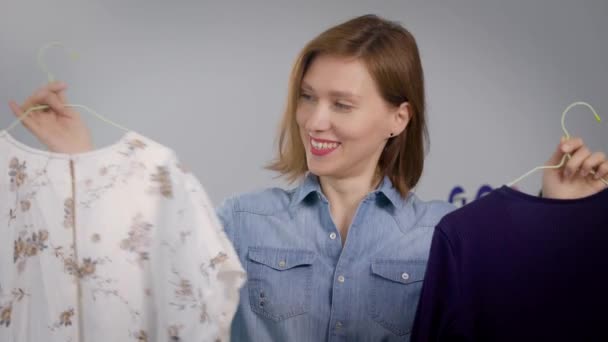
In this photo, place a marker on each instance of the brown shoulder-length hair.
(391, 55)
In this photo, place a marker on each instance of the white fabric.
(150, 263)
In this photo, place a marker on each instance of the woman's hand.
(59, 127)
(575, 179)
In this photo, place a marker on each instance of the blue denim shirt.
(303, 285)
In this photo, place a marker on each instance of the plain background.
(209, 79)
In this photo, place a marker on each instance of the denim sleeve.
(225, 213)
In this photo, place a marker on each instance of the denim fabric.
(303, 285)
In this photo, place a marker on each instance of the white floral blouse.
(117, 244)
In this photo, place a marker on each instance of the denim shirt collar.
(310, 184)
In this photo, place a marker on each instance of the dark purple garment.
(514, 267)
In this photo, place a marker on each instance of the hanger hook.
(581, 103)
(567, 155)
(42, 62)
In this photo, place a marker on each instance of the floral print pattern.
(5, 315)
(25, 205)
(65, 318)
(17, 173)
(141, 336)
(68, 214)
(6, 309)
(138, 240)
(28, 246)
(163, 182)
(132, 230)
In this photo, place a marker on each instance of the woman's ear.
(402, 117)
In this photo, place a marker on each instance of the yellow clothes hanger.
(567, 135)
(51, 78)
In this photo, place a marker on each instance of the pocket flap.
(400, 271)
(281, 259)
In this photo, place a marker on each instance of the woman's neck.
(345, 195)
(347, 191)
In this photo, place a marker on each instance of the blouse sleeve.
(200, 274)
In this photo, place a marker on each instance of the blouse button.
(405, 276)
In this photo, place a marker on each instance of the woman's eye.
(343, 106)
(305, 97)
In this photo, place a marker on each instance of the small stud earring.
(391, 134)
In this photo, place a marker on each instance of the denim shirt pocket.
(279, 281)
(396, 286)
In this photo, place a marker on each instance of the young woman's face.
(344, 122)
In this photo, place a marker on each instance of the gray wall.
(209, 78)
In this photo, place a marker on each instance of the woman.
(341, 257)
